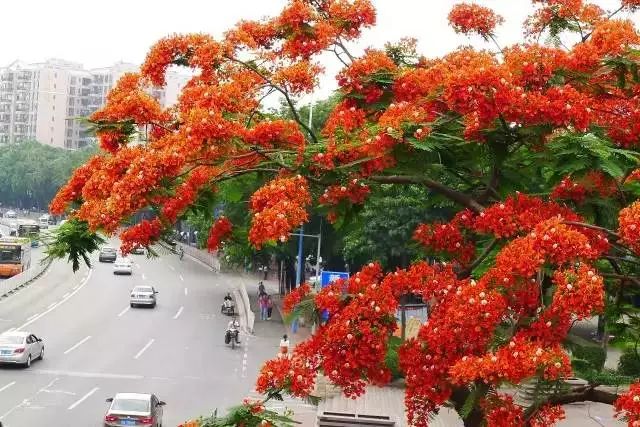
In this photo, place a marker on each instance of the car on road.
(138, 250)
(134, 409)
(43, 221)
(107, 254)
(20, 348)
(11, 214)
(123, 266)
(143, 295)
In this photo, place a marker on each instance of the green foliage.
(242, 415)
(386, 224)
(629, 363)
(391, 359)
(31, 173)
(607, 377)
(587, 358)
(73, 240)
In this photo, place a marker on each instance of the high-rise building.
(48, 101)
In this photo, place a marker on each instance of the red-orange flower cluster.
(142, 234)
(219, 231)
(472, 18)
(628, 405)
(278, 208)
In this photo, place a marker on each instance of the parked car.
(107, 254)
(123, 266)
(143, 295)
(20, 348)
(134, 409)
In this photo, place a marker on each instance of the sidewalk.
(273, 288)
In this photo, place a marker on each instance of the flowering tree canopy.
(531, 147)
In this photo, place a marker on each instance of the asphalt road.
(96, 346)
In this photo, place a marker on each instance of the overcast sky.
(98, 34)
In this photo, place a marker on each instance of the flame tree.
(534, 145)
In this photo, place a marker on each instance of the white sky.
(98, 34)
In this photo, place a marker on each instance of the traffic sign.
(327, 277)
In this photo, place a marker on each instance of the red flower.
(468, 18)
(220, 230)
(628, 405)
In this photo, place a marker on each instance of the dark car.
(134, 409)
(107, 254)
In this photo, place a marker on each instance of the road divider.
(12, 284)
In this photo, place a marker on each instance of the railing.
(14, 283)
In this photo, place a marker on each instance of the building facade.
(48, 101)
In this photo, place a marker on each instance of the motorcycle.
(228, 308)
(232, 336)
(181, 253)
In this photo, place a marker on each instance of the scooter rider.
(227, 304)
(233, 327)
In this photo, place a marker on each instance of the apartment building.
(47, 101)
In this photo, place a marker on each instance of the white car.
(123, 266)
(20, 348)
(143, 295)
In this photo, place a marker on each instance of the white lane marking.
(75, 287)
(181, 278)
(7, 386)
(34, 316)
(144, 277)
(144, 348)
(87, 374)
(52, 304)
(186, 291)
(124, 311)
(27, 401)
(82, 341)
(172, 268)
(83, 398)
(68, 393)
(137, 265)
(65, 295)
(49, 310)
(9, 330)
(178, 313)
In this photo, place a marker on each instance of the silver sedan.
(143, 295)
(20, 348)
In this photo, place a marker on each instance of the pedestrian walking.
(262, 301)
(269, 307)
(284, 346)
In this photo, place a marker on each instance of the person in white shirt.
(284, 346)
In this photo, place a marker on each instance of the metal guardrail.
(14, 283)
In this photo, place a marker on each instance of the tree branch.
(283, 92)
(478, 261)
(450, 193)
(593, 227)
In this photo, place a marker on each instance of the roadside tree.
(534, 145)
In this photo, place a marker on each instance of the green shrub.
(391, 360)
(586, 357)
(629, 363)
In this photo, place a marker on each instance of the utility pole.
(300, 262)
